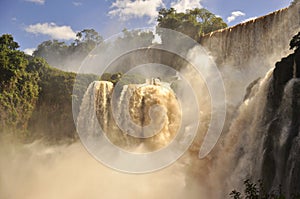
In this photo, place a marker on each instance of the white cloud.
(29, 51)
(249, 19)
(183, 5)
(76, 3)
(127, 9)
(51, 29)
(37, 1)
(234, 15)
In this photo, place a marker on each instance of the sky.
(33, 21)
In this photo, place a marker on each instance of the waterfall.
(262, 142)
(250, 49)
(242, 147)
(242, 45)
(130, 117)
(260, 138)
(281, 153)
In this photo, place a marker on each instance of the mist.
(38, 171)
(42, 171)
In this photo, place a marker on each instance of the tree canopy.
(193, 23)
(18, 85)
(7, 42)
(134, 38)
(69, 57)
(35, 98)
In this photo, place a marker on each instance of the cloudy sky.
(34, 21)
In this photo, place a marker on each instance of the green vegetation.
(134, 38)
(69, 57)
(35, 97)
(193, 23)
(254, 191)
(53, 113)
(113, 78)
(18, 86)
(123, 79)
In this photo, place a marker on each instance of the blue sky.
(34, 21)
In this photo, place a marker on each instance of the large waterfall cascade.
(257, 141)
(238, 50)
(128, 118)
(260, 139)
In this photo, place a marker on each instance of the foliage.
(53, 51)
(68, 57)
(254, 191)
(35, 97)
(86, 41)
(193, 23)
(123, 79)
(134, 38)
(7, 41)
(89, 36)
(52, 118)
(18, 86)
(113, 78)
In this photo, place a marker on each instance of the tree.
(252, 191)
(89, 35)
(193, 23)
(113, 78)
(69, 57)
(7, 41)
(53, 51)
(18, 86)
(134, 39)
(85, 42)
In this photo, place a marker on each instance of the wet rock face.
(285, 70)
(281, 163)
